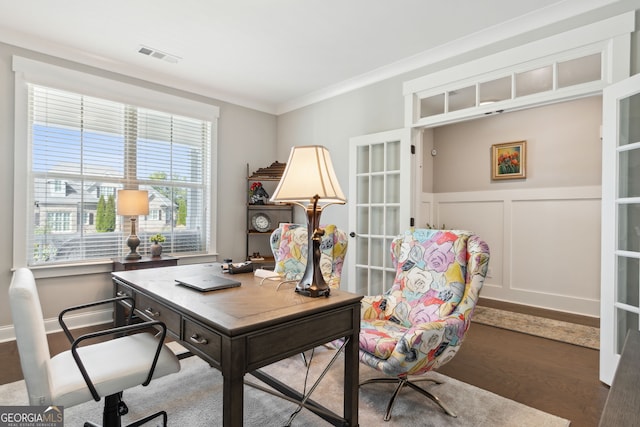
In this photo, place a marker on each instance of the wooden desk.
(242, 329)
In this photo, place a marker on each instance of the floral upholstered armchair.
(420, 322)
(289, 244)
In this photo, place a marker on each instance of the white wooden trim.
(611, 37)
(498, 230)
(609, 356)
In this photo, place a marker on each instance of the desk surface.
(236, 310)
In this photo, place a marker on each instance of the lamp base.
(313, 291)
(133, 242)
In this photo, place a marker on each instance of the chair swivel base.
(402, 381)
(114, 408)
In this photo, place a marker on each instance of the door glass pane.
(534, 81)
(625, 321)
(432, 105)
(393, 188)
(629, 166)
(628, 223)
(377, 220)
(362, 221)
(362, 250)
(495, 90)
(362, 280)
(393, 156)
(377, 158)
(630, 120)
(462, 98)
(628, 281)
(377, 189)
(376, 283)
(363, 189)
(579, 70)
(393, 219)
(377, 253)
(363, 159)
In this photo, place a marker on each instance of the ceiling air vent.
(155, 53)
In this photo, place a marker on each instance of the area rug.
(193, 397)
(585, 336)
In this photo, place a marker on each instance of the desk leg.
(233, 366)
(352, 373)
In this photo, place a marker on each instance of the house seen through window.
(84, 149)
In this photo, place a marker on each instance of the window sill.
(103, 266)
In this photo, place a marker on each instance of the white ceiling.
(272, 55)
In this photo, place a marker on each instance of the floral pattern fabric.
(289, 245)
(420, 322)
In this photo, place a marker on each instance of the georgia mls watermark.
(31, 416)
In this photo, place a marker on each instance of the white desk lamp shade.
(133, 202)
(309, 173)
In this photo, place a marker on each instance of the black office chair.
(87, 371)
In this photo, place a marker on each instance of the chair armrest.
(115, 331)
(93, 304)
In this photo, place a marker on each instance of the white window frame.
(31, 71)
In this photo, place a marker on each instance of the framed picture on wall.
(509, 160)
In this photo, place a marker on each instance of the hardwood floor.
(558, 378)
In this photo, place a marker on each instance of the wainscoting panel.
(545, 243)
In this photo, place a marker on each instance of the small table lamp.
(133, 203)
(309, 181)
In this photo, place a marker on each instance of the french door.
(380, 206)
(620, 270)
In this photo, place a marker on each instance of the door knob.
(352, 234)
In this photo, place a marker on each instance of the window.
(155, 214)
(58, 221)
(82, 148)
(57, 187)
(88, 218)
(105, 191)
(87, 148)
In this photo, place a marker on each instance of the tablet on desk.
(209, 282)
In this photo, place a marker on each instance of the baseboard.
(79, 320)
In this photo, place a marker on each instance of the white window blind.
(83, 149)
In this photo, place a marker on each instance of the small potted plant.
(156, 247)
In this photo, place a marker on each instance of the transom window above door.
(576, 63)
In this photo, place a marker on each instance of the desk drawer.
(153, 310)
(267, 346)
(203, 340)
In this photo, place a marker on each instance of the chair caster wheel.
(122, 408)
